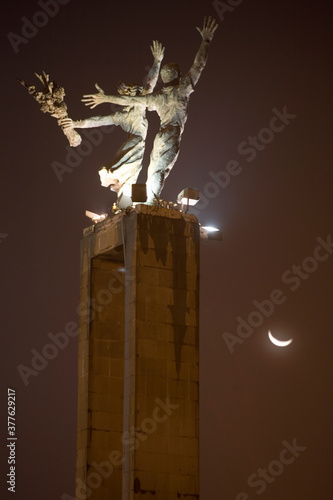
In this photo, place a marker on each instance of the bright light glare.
(188, 201)
(95, 217)
(210, 229)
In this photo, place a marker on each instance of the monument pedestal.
(138, 394)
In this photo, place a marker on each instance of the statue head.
(131, 90)
(170, 73)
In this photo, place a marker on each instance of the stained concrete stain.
(163, 232)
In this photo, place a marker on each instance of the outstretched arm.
(207, 33)
(157, 50)
(94, 100)
(94, 121)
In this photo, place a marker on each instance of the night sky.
(261, 110)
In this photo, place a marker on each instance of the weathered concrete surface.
(138, 406)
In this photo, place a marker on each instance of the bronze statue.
(170, 103)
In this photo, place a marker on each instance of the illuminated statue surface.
(171, 104)
(123, 171)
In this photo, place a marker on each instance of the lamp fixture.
(95, 217)
(210, 233)
(188, 197)
(139, 193)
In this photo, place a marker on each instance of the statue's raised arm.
(207, 33)
(93, 100)
(157, 50)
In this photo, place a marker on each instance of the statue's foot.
(150, 201)
(115, 185)
(108, 180)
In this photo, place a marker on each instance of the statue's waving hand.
(94, 100)
(208, 30)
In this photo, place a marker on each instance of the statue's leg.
(120, 174)
(162, 159)
(128, 160)
(117, 118)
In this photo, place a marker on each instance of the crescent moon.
(279, 343)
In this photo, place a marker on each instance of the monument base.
(138, 394)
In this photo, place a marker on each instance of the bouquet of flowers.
(51, 100)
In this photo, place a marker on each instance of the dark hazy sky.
(263, 107)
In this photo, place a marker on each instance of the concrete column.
(138, 411)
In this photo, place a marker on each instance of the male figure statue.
(171, 104)
(124, 170)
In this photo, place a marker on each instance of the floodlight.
(188, 197)
(210, 233)
(95, 217)
(210, 229)
(139, 193)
